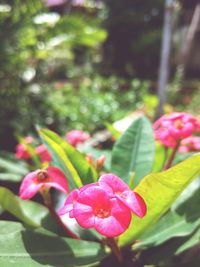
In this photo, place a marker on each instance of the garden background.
(95, 66)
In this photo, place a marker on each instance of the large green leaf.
(23, 210)
(174, 253)
(134, 151)
(159, 191)
(37, 215)
(86, 172)
(22, 247)
(181, 220)
(61, 159)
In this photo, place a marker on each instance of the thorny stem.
(48, 203)
(112, 243)
(171, 157)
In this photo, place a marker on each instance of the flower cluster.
(172, 128)
(22, 150)
(105, 205)
(190, 144)
(76, 137)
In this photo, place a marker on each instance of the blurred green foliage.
(84, 104)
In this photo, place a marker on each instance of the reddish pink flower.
(190, 144)
(43, 179)
(76, 137)
(21, 149)
(43, 153)
(105, 205)
(95, 209)
(173, 127)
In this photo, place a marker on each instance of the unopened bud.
(100, 162)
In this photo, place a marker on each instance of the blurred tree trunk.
(190, 37)
(165, 54)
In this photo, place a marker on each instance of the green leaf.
(159, 191)
(181, 220)
(86, 172)
(161, 154)
(174, 253)
(134, 151)
(22, 247)
(23, 210)
(12, 170)
(61, 160)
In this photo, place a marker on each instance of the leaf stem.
(171, 157)
(48, 203)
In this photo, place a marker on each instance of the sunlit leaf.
(134, 151)
(159, 191)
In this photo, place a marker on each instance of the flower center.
(102, 213)
(178, 124)
(42, 175)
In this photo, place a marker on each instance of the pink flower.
(105, 205)
(43, 153)
(21, 149)
(43, 179)
(171, 128)
(190, 144)
(76, 137)
(95, 209)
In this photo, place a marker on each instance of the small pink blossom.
(171, 128)
(43, 179)
(190, 144)
(21, 149)
(43, 153)
(105, 205)
(76, 137)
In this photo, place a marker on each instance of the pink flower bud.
(100, 162)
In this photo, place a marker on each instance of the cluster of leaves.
(38, 45)
(169, 229)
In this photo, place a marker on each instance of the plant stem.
(112, 243)
(48, 203)
(59, 221)
(171, 158)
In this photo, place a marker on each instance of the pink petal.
(94, 196)
(30, 191)
(112, 183)
(29, 186)
(69, 203)
(84, 215)
(57, 179)
(134, 201)
(116, 223)
(187, 129)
